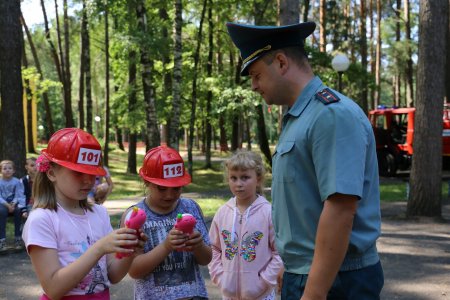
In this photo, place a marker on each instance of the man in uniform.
(325, 189)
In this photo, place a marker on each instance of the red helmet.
(76, 150)
(165, 167)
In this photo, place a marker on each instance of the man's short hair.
(296, 53)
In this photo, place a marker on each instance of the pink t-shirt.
(71, 235)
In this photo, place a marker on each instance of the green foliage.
(37, 85)
(228, 100)
(352, 79)
(238, 100)
(125, 185)
(207, 180)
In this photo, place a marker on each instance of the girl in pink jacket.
(245, 262)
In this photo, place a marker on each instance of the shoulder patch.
(326, 96)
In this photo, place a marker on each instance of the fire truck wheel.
(386, 164)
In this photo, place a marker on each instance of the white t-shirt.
(71, 235)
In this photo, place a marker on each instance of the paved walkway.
(409, 251)
(415, 255)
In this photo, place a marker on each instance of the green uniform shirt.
(325, 147)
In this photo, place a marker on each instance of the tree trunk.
(209, 95)
(322, 26)
(88, 78)
(409, 62)
(65, 62)
(397, 90)
(29, 107)
(372, 61)
(118, 130)
(397, 79)
(194, 90)
(153, 136)
(353, 10)
(235, 133)
(53, 51)
(107, 94)
(68, 82)
(83, 33)
(223, 142)
(363, 47)
(285, 17)
(167, 75)
(48, 117)
(11, 89)
(314, 41)
(57, 60)
(425, 194)
(174, 124)
(235, 117)
(262, 135)
(347, 26)
(119, 138)
(447, 86)
(306, 5)
(247, 132)
(132, 100)
(448, 61)
(289, 12)
(378, 57)
(223, 135)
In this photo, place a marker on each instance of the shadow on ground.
(415, 256)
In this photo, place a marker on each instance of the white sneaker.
(18, 244)
(2, 245)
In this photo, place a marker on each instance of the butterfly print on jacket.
(248, 245)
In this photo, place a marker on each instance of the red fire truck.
(394, 134)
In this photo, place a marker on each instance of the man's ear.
(282, 62)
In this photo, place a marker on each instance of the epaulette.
(326, 96)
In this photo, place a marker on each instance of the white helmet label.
(174, 170)
(88, 156)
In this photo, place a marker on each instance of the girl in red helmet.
(71, 242)
(169, 267)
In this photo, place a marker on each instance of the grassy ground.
(208, 185)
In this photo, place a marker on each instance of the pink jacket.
(244, 264)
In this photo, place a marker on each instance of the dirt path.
(415, 256)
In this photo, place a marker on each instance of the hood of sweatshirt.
(244, 217)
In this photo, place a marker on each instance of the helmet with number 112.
(165, 167)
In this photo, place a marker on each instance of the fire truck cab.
(394, 134)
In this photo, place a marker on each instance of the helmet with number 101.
(76, 150)
(165, 167)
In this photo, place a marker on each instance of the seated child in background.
(245, 263)
(27, 182)
(101, 190)
(12, 202)
(169, 267)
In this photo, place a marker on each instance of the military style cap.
(255, 41)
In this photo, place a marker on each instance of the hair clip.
(42, 164)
